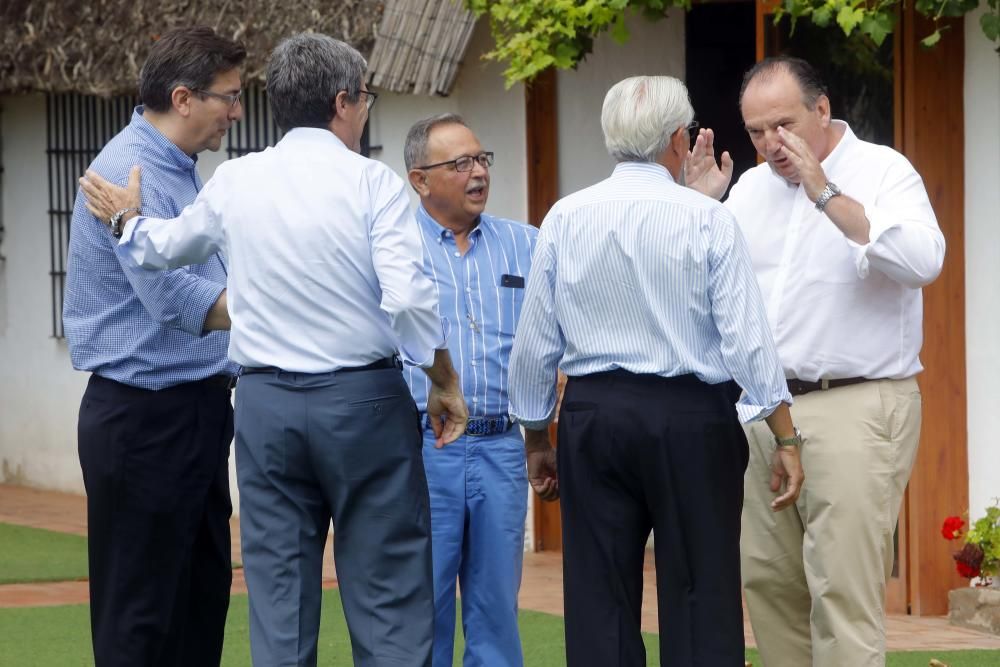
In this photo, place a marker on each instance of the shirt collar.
(163, 147)
(438, 230)
(312, 135)
(843, 146)
(647, 169)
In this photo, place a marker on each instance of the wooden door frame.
(541, 131)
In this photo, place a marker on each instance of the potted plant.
(980, 553)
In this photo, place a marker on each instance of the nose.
(236, 111)
(771, 142)
(480, 170)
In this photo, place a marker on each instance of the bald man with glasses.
(478, 264)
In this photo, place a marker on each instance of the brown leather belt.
(799, 387)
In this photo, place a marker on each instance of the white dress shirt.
(839, 309)
(324, 256)
(641, 274)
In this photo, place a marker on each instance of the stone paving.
(541, 587)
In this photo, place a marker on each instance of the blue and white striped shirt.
(141, 328)
(639, 273)
(483, 312)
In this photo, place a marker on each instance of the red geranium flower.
(966, 571)
(952, 528)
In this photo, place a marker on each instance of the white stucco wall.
(39, 392)
(982, 268)
(653, 48)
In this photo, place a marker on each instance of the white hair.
(641, 113)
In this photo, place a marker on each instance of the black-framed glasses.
(693, 130)
(466, 162)
(231, 100)
(370, 98)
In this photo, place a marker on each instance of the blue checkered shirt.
(483, 312)
(142, 328)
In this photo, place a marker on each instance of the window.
(78, 126)
(257, 130)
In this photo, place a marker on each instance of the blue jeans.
(479, 499)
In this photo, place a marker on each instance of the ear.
(419, 182)
(823, 109)
(180, 99)
(679, 142)
(340, 103)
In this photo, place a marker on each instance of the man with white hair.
(642, 292)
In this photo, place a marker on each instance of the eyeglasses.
(369, 99)
(466, 162)
(232, 100)
(693, 130)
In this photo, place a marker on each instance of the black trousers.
(155, 466)
(641, 452)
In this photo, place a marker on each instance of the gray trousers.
(344, 447)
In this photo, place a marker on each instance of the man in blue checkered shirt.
(478, 485)
(156, 420)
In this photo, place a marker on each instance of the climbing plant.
(532, 35)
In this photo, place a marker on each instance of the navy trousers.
(642, 452)
(346, 447)
(156, 469)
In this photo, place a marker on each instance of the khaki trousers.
(815, 575)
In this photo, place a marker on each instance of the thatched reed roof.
(98, 46)
(419, 46)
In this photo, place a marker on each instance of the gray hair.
(415, 148)
(304, 75)
(641, 113)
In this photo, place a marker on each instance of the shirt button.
(458, 254)
(475, 399)
(468, 289)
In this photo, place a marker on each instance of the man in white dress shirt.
(326, 287)
(842, 237)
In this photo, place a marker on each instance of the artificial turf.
(60, 637)
(33, 554)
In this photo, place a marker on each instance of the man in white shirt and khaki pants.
(842, 237)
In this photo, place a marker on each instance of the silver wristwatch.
(829, 192)
(115, 221)
(794, 441)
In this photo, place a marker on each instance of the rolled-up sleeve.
(747, 345)
(408, 297)
(905, 242)
(539, 343)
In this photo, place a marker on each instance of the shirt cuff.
(203, 296)
(532, 424)
(129, 229)
(750, 412)
(410, 359)
(878, 224)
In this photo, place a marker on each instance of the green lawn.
(60, 637)
(33, 554)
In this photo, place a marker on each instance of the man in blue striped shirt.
(643, 293)
(478, 488)
(156, 421)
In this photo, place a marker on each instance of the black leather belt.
(799, 387)
(381, 364)
(220, 381)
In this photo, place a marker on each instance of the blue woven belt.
(479, 426)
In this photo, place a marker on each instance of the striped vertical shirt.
(641, 274)
(481, 305)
